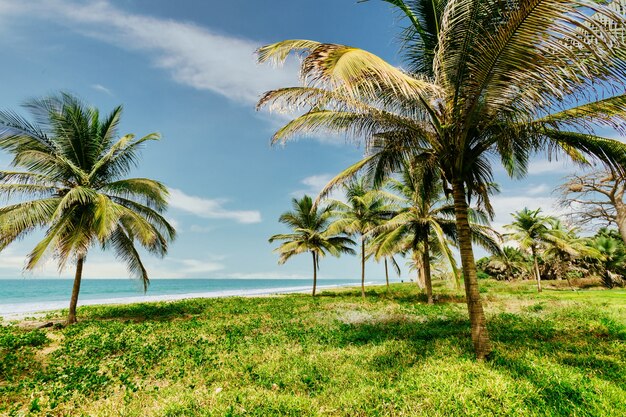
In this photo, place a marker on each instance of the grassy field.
(561, 353)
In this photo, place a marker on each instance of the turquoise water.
(28, 295)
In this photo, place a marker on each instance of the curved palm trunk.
(480, 336)
(71, 317)
(314, 272)
(386, 273)
(426, 268)
(537, 273)
(363, 266)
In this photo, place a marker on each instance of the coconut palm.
(366, 208)
(373, 249)
(561, 255)
(310, 225)
(537, 233)
(73, 166)
(610, 257)
(425, 224)
(509, 80)
(509, 264)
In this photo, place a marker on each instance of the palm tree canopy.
(310, 225)
(508, 81)
(426, 214)
(533, 231)
(366, 208)
(73, 166)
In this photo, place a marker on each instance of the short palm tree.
(73, 165)
(509, 79)
(310, 226)
(366, 209)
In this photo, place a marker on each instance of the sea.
(22, 296)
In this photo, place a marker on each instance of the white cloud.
(505, 206)
(543, 166)
(101, 88)
(193, 55)
(210, 208)
(538, 189)
(314, 184)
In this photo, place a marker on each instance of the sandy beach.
(23, 311)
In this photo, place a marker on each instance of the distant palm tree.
(610, 259)
(535, 232)
(366, 209)
(74, 165)
(311, 234)
(509, 79)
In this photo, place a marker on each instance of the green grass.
(560, 353)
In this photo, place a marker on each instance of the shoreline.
(44, 309)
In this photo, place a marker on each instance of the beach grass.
(559, 353)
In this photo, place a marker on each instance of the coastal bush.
(558, 353)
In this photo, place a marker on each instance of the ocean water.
(30, 295)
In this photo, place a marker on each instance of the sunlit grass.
(557, 353)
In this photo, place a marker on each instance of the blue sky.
(187, 70)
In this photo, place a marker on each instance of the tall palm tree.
(425, 224)
(73, 166)
(366, 209)
(508, 80)
(311, 234)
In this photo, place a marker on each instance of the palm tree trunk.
(420, 269)
(537, 273)
(426, 268)
(71, 318)
(480, 336)
(386, 273)
(314, 272)
(363, 266)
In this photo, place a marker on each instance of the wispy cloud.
(193, 55)
(101, 88)
(314, 184)
(210, 208)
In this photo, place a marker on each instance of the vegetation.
(424, 225)
(548, 248)
(311, 234)
(366, 208)
(74, 167)
(558, 353)
(508, 80)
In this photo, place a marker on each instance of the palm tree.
(311, 234)
(510, 263)
(610, 257)
(508, 80)
(425, 224)
(535, 232)
(366, 209)
(373, 249)
(73, 166)
(561, 254)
